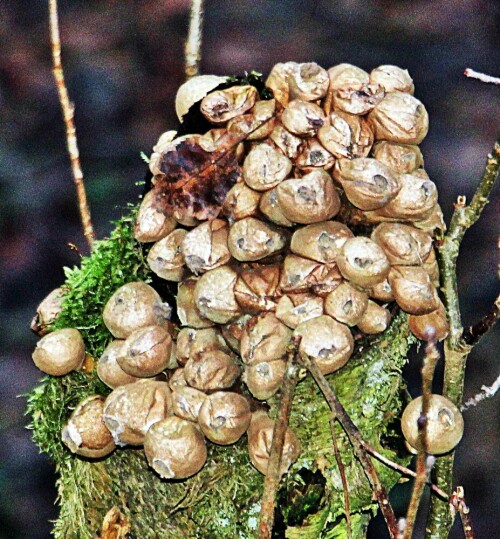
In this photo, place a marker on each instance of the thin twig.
(273, 475)
(192, 50)
(68, 110)
(402, 469)
(472, 335)
(486, 393)
(345, 487)
(457, 502)
(423, 469)
(481, 76)
(455, 351)
(357, 444)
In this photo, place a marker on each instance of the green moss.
(223, 500)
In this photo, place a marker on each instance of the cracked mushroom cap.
(175, 448)
(85, 433)
(133, 306)
(224, 417)
(60, 352)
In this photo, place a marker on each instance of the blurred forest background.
(123, 62)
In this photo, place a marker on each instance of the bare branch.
(68, 110)
(455, 351)
(486, 393)
(192, 50)
(273, 476)
(357, 443)
(472, 335)
(423, 461)
(345, 487)
(402, 469)
(481, 76)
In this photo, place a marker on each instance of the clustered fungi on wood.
(301, 215)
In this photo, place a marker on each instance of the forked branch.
(68, 110)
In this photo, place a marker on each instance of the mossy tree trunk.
(223, 500)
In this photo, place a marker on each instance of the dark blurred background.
(123, 61)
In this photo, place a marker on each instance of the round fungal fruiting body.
(269, 206)
(60, 352)
(222, 105)
(264, 379)
(310, 199)
(241, 202)
(205, 247)
(130, 410)
(401, 158)
(186, 402)
(146, 352)
(346, 304)
(293, 309)
(165, 257)
(375, 319)
(251, 239)
(368, 184)
(392, 79)
(211, 370)
(224, 417)
(194, 90)
(152, 224)
(444, 425)
(108, 369)
(346, 135)
(433, 326)
(260, 437)
(257, 288)
(186, 308)
(264, 338)
(214, 295)
(304, 275)
(399, 243)
(327, 341)
(175, 448)
(303, 118)
(399, 117)
(47, 311)
(85, 433)
(363, 262)
(264, 167)
(413, 290)
(308, 81)
(193, 342)
(133, 306)
(321, 241)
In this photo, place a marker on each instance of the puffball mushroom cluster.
(304, 214)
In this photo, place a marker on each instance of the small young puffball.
(60, 352)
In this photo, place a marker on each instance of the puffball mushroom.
(130, 410)
(175, 448)
(445, 424)
(133, 306)
(60, 352)
(224, 417)
(85, 433)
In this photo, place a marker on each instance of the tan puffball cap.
(327, 341)
(152, 224)
(146, 352)
(132, 306)
(260, 437)
(85, 433)
(60, 352)
(130, 410)
(445, 424)
(194, 90)
(175, 448)
(363, 262)
(108, 369)
(224, 417)
(320, 241)
(47, 311)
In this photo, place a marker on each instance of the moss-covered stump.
(223, 500)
